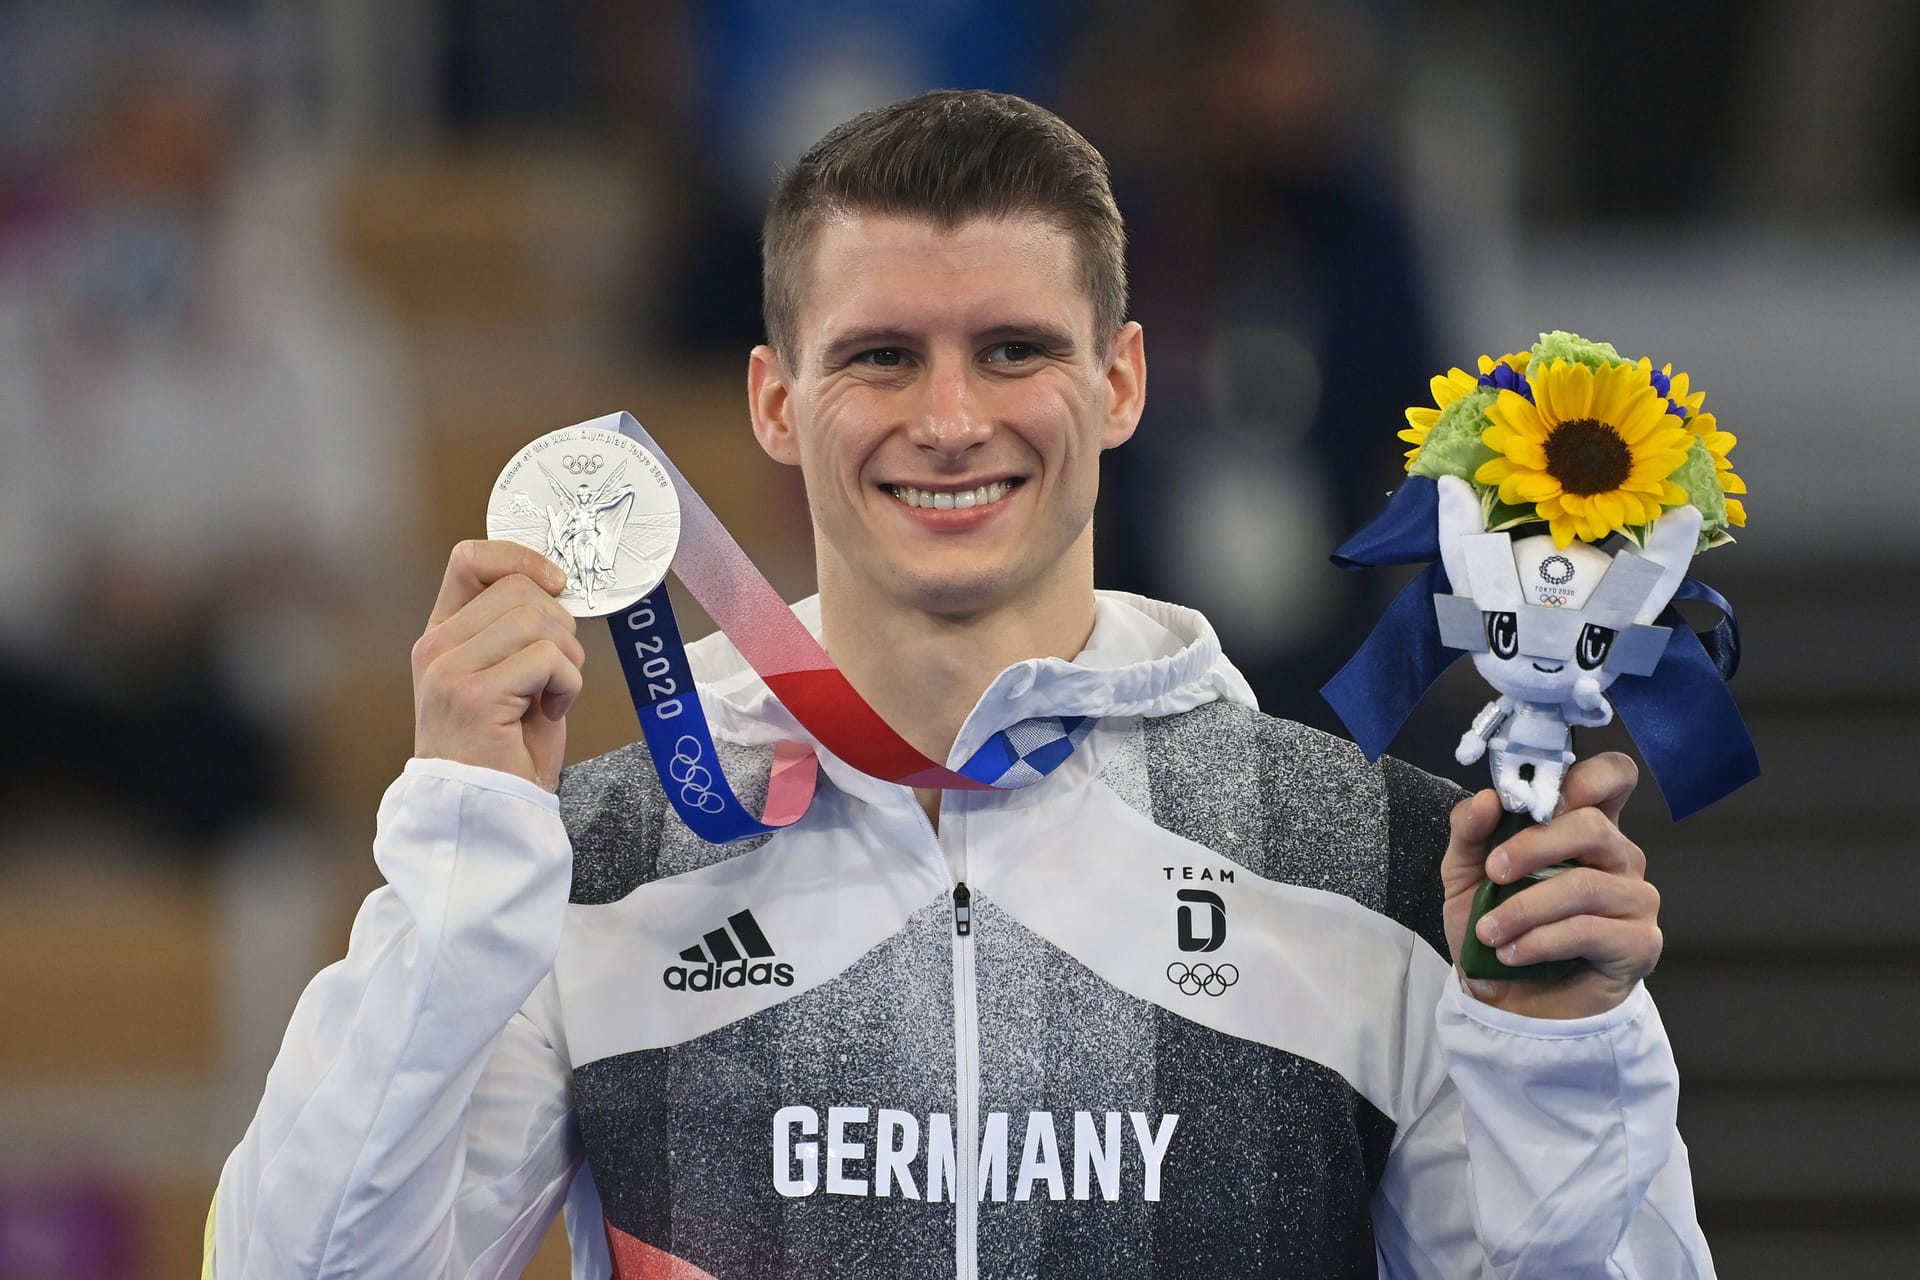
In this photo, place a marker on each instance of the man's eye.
(882, 358)
(1012, 353)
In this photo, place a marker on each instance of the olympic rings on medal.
(1193, 979)
(694, 778)
(583, 464)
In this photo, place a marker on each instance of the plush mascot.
(1559, 497)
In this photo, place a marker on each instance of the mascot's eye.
(1503, 634)
(1595, 642)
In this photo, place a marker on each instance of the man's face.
(947, 402)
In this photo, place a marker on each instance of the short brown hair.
(949, 156)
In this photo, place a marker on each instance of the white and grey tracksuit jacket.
(1190, 1017)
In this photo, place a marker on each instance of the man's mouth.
(951, 499)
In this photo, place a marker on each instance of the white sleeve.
(1551, 1151)
(417, 1121)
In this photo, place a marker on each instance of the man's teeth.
(947, 501)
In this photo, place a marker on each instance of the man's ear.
(1126, 379)
(770, 401)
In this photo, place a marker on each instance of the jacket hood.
(1144, 658)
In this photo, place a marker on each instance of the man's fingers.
(544, 675)
(505, 596)
(1604, 782)
(1582, 891)
(537, 674)
(1585, 836)
(1623, 949)
(519, 627)
(1473, 821)
(474, 566)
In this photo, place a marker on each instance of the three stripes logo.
(735, 955)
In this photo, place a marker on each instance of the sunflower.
(1682, 401)
(1591, 452)
(1685, 403)
(1718, 444)
(1451, 386)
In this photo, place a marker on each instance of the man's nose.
(950, 418)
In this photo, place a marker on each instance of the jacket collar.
(1144, 658)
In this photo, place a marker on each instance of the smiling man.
(1180, 1007)
(946, 389)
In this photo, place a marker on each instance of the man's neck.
(924, 671)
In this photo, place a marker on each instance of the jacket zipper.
(966, 1079)
(966, 1044)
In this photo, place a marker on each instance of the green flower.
(1452, 446)
(1700, 478)
(1561, 345)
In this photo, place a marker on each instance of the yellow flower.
(1679, 386)
(1447, 388)
(1592, 451)
(1719, 443)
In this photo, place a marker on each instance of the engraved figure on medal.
(583, 533)
(597, 504)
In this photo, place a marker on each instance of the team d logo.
(735, 955)
(1202, 919)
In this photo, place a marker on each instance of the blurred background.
(283, 283)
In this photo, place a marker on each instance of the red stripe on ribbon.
(737, 596)
(829, 707)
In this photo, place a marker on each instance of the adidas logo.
(723, 959)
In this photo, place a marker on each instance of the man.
(1170, 1011)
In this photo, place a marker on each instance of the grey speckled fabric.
(1277, 1155)
(624, 832)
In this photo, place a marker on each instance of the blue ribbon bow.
(1681, 716)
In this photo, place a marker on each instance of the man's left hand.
(1601, 911)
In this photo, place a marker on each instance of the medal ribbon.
(1681, 716)
(784, 654)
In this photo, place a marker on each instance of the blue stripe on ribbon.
(990, 763)
(1681, 717)
(998, 753)
(653, 658)
(1407, 532)
(1685, 722)
(1402, 656)
(1375, 692)
(1722, 641)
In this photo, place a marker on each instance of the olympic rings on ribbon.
(696, 781)
(1212, 979)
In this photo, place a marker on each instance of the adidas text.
(716, 977)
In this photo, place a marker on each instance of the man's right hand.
(498, 665)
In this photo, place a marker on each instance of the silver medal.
(597, 504)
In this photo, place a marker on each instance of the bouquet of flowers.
(1563, 493)
(1575, 435)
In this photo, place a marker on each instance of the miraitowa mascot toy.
(1559, 497)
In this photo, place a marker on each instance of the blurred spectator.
(1275, 274)
(198, 423)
